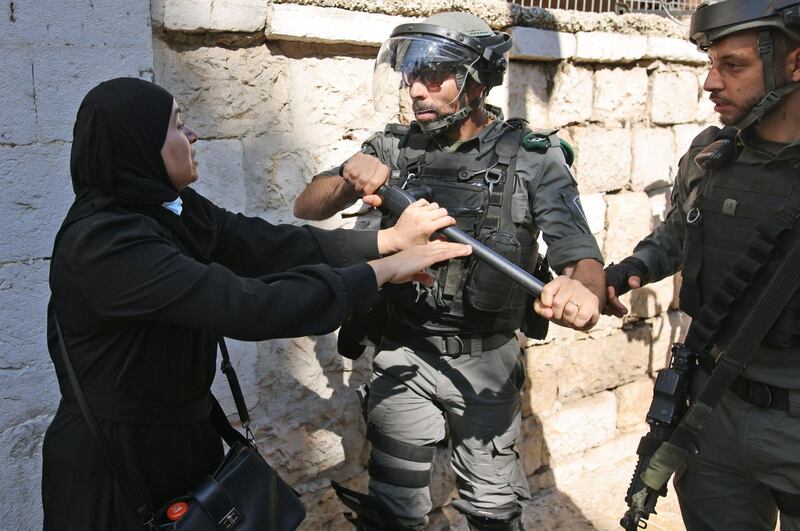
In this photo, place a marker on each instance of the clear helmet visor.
(431, 60)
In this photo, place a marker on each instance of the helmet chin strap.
(439, 127)
(774, 96)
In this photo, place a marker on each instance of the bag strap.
(126, 482)
(220, 421)
(784, 284)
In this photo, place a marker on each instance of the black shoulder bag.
(243, 494)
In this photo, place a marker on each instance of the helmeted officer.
(448, 353)
(745, 464)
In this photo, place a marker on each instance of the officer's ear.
(794, 61)
(474, 89)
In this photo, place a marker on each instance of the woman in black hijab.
(146, 275)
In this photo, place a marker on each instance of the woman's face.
(178, 153)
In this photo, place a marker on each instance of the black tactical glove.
(617, 275)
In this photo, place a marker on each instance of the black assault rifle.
(395, 201)
(670, 403)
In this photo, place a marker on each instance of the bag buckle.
(453, 346)
(230, 520)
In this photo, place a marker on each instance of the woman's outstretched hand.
(410, 264)
(415, 227)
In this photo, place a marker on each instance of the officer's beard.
(740, 110)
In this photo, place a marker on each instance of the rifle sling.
(731, 363)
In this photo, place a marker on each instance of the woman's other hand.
(410, 264)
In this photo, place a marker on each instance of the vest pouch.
(489, 290)
(466, 202)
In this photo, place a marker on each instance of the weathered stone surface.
(18, 112)
(227, 93)
(705, 110)
(629, 221)
(208, 15)
(674, 97)
(602, 158)
(63, 76)
(569, 470)
(668, 328)
(57, 23)
(650, 300)
(581, 425)
(37, 192)
(571, 98)
(654, 163)
(531, 445)
(541, 363)
(530, 44)
(596, 364)
(222, 176)
(633, 401)
(600, 47)
(677, 50)
(330, 25)
(684, 134)
(620, 94)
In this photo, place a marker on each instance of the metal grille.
(676, 7)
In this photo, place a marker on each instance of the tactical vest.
(733, 200)
(480, 191)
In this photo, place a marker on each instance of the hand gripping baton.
(395, 201)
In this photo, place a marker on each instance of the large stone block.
(600, 47)
(705, 110)
(243, 16)
(18, 112)
(571, 98)
(331, 100)
(37, 192)
(620, 94)
(533, 44)
(633, 401)
(63, 76)
(570, 472)
(528, 88)
(654, 162)
(531, 445)
(228, 93)
(222, 175)
(628, 221)
(602, 158)
(596, 364)
(684, 134)
(541, 363)
(582, 425)
(330, 25)
(674, 97)
(674, 50)
(76, 23)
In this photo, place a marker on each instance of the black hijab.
(116, 156)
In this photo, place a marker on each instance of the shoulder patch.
(706, 136)
(536, 141)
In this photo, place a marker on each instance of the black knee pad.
(393, 475)
(504, 518)
(371, 514)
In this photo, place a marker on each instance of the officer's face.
(736, 79)
(432, 101)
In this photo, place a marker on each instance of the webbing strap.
(414, 479)
(399, 449)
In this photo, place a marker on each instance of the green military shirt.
(662, 251)
(549, 191)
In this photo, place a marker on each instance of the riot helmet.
(715, 20)
(458, 45)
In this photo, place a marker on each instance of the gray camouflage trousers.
(413, 394)
(742, 453)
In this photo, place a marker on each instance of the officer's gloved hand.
(620, 279)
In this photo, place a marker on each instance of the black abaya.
(141, 295)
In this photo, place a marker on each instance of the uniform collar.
(754, 150)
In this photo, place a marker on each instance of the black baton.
(395, 200)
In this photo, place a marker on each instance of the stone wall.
(279, 91)
(51, 54)
(284, 92)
